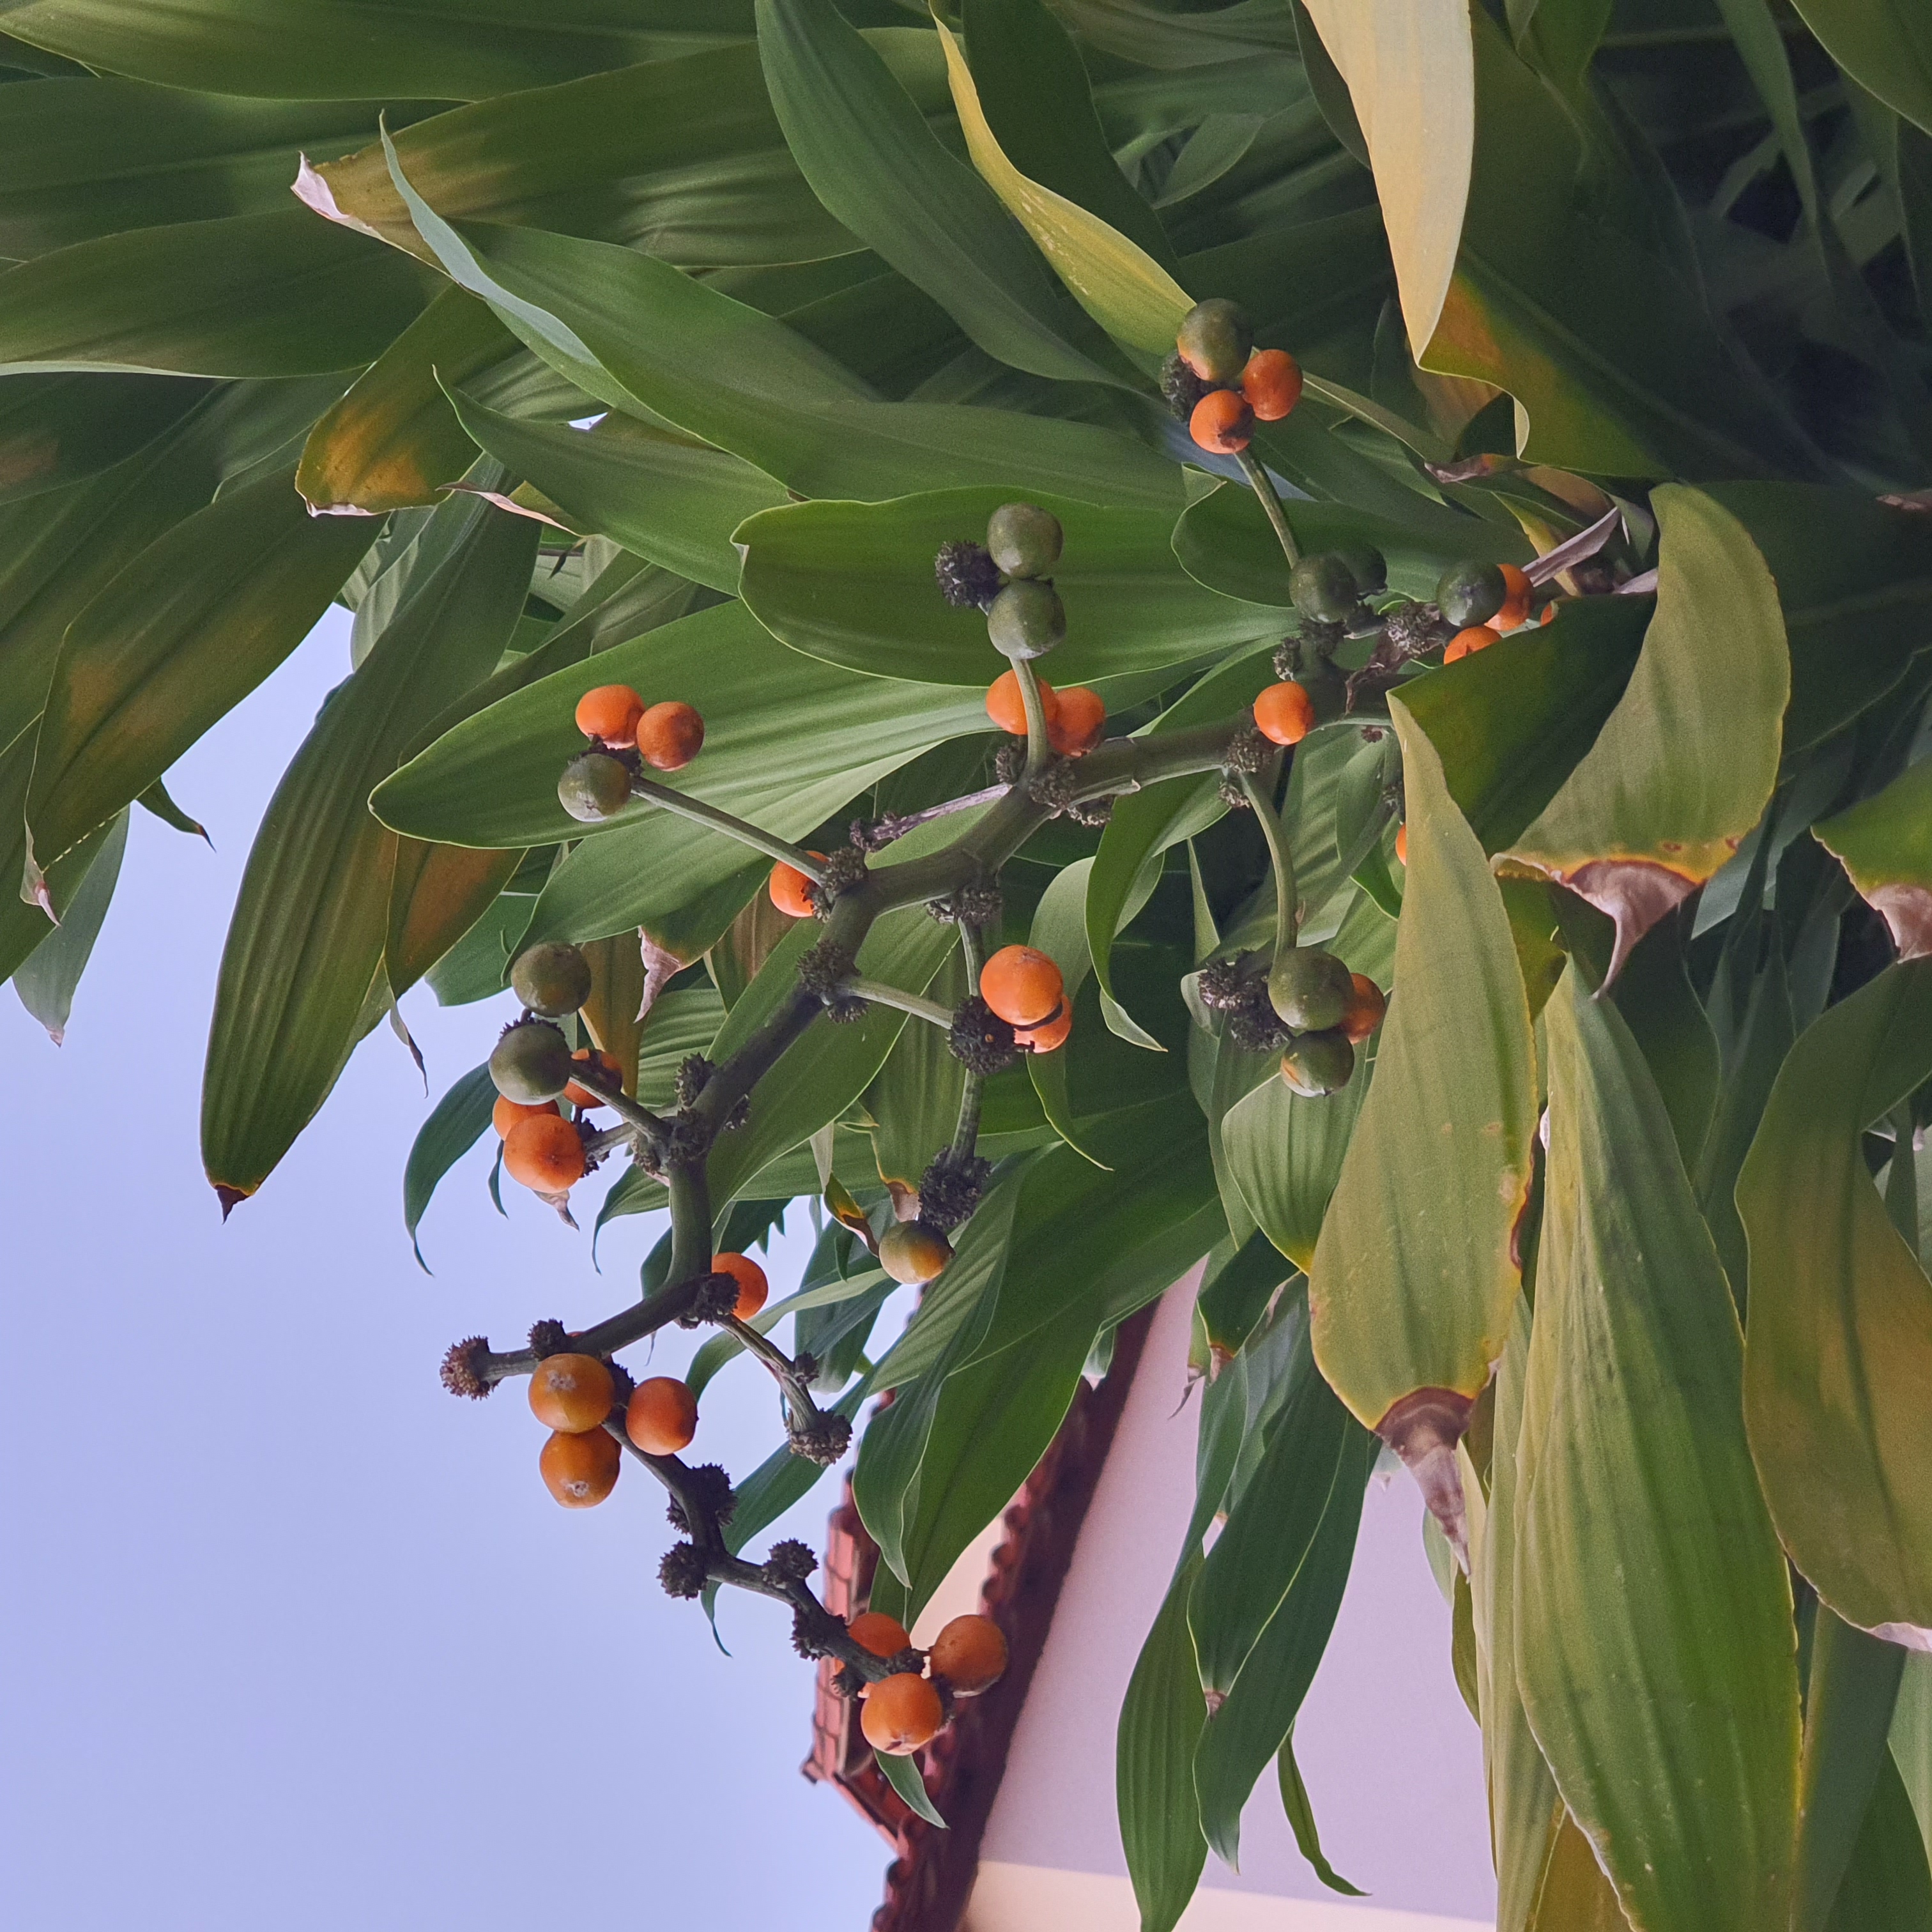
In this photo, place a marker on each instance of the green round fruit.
(1215, 340)
(1323, 587)
(1309, 989)
(1027, 618)
(1025, 540)
(910, 1251)
(1471, 593)
(1317, 1064)
(594, 786)
(553, 979)
(1367, 565)
(531, 1064)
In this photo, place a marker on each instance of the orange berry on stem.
(662, 1417)
(582, 1096)
(670, 736)
(1364, 1013)
(752, 1286)
(1007, 709)
(506, 1113)
(1079, 722)
(544, 1153)
(571, 1393)
(791, 889)
(882, 1635)
(1023, 986)
(1271, 383)
(1222, 422)
(611, 712)
(1517, 592)
(1049, 1034)
(970, 1654)
(580, 1470)
(903, 1713)
(1285, 713)
(1466, 643)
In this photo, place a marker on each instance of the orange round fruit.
(1051, 1033)
(1402, 844)
(1078, 723)
(752, 1286)
(791, 889)
(1466, 643)
(1007, 709)
(1285, 713)
(506, 1113)
(902, 1713)
(1549, 611)
(611, 712)
(544, 1153)
(1517, 592)
(1367, 1002)
(580, 1470)
(571, 1393)
(662, 1417)
(1023, 986)
(670, 736)
(882, 1635)
(582, 1096)
(1222, 422)
(970, 1654)
(1271, 383)
(913, 1253)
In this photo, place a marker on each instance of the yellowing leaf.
(1683, 766)
(1885, 844)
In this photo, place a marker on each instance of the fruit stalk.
(1282, 859)
(880, 995)
(1039, 748)
(1259, 482)
(699, 813)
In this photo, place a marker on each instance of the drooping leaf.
(1885, 45)
(1286, 1152)
(436, 894)
(47, 978)
(1840, 1339)
(1295, 1802)
(1653, 1636)
(1684, 765)
(456, 1123)
(1885, 844)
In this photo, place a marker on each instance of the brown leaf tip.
(230, 1198)
(1424, 1429)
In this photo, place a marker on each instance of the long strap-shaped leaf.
(1839, 1356)
(1654, 1639)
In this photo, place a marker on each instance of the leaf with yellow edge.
(1838, 1357)
(1416, 1271)
(1115, 280)
(1684, 766)
(1885, 844)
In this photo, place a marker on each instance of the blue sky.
(290, 1638)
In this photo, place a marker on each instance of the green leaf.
(1059, 930)
(457, 1123)
(903, 1775)
(306, 941)
(1414, 1275)
(1123, 287)
(1885, 844)
(1911, 1740)
(915, 1099)
(55, 429)
(1284, 1153)
(683, 157)
(155, 799)
(672, 500)
(1885, 45)
(1840, 1343)
(179, 637)
(853, 584)
(864, 145)
(436, 894)
(1889, 1883)
(1294, 1801)
(1684, 766)
(445, 49)
(1654, 1635)
(1154, 1762)
(47, 978)
(248, 295)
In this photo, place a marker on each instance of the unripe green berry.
(1317, 1064)
(1309, 989)
(1471, 593)
(1027, 618)
(552, 978)
(1025, 539)
(594, 786)
(1323, 588)
(1215, 340)
(531, 1064)
(1367, 565)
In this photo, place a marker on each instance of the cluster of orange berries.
(1484, 600)
(573, 1396)
(1025, 987)
(625, 733)
(1221, 383)
(903, 1712)
(1076, 718)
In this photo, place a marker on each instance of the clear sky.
(289, 1638)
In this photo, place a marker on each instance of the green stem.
(1258, 481)
(1040, 747)
(699, 813)
(966, 1134)
(969, 945)
(882, 995)
(1282, 859)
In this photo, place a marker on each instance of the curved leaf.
(1840, 1328)
(1885, 45)
(1885, 844)
(436, 894)
(457, 1123)
(47, 978)
(1284, 1153)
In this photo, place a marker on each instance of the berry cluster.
(1220, 384)
(626, 734)
(904, 1711)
